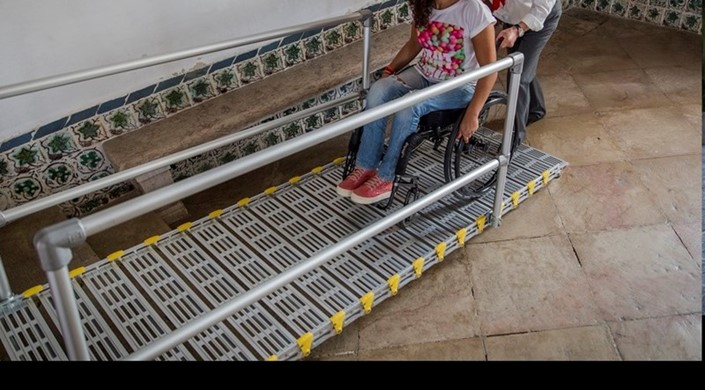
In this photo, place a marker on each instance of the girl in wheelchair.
(453, 36)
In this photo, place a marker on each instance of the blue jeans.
(405, 122)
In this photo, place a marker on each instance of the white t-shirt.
(447, 49)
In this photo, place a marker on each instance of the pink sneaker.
(354, 180)
(373, 190)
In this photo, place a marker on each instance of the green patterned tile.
(148, 110)
(691, 22)
(327, 96)
(695, 6)
(6, 200)
(672, 19)
(587, 4)
(121, 120)
(248, 147)
(658, 3)
(225, 80)
(636, 11)
(249, 71)
(292, 130)
(387, 18)
(603, 5)
(59, 175)
(201, 89)
(352, 32)
(27, 157)
(333, 38)
(403, 13)
(313, 47)
(313, 122)
(350, 108)
(7, 169)
(292, 54)
(175, 99)
(272, 62)
(678, 5)
(59, 144)
(91, 161)
(308, 104)
(26, 188)
(331, 115)
(271, 138)
(89, 132)
(654, 15)
(619, 8)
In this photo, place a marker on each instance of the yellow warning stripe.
(337, 320)
(480, 222)
(152, 240)
(339, 160)
(272, 358)
(28, 293)
(393, 283)
(270, 190)
(294, 180)
(317, 170)
(531, 185)
(216, 213)
(76, 272)
(115, 255)
(515, 199)
(545, 177)
(243, 202)
(441, 251)
(305, 342)
(366, 301)
(461, 234)
(418, 266)
(184, 227)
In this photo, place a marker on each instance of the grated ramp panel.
(135, 319)
(26, 335)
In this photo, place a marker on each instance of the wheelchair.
(441, 127)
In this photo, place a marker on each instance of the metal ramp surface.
(135, 296)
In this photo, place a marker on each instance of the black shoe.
(533, 118)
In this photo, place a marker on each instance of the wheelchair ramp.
(138, 295)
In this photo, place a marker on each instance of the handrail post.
(5, 292)
(366, 37)
(54, 245)
(514, 78)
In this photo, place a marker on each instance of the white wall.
(41, 38)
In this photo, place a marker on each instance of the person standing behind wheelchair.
(453, 37)
(528, 25)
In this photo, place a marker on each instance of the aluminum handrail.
(18, 212)
(89, 74)
(54, 242)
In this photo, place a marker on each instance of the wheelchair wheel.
(353, 146)
(461, 158)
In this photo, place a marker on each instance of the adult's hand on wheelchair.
(468, 126)
(507, 37)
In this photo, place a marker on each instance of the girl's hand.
(468, 126)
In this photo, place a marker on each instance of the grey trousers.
(531, 99)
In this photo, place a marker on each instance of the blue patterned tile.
(166, 84)
(388, 4)
(374, 7)
(112, 104)
(139, 94)
(291, 39)
(52, 127)
(81, 116)
(268, 48)
(15, 142)
(246, 56)
(221, 64)
(194, 74)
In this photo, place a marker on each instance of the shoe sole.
(362, 200)
(343, 192)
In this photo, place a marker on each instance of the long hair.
(421, 10)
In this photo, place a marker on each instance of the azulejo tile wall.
(678, 14)
(68, 152)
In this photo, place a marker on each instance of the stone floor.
(604, 265)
